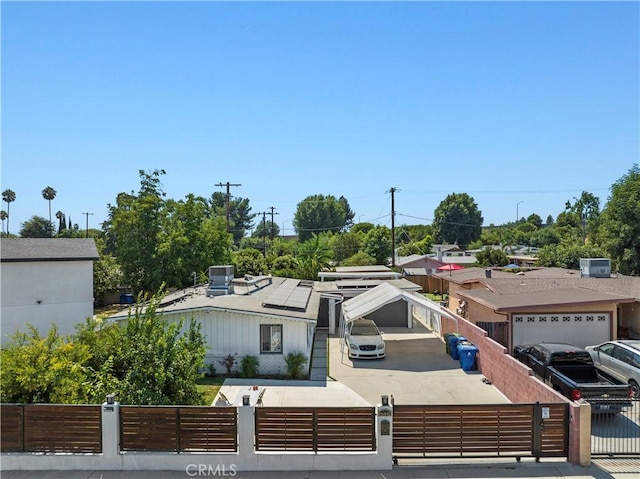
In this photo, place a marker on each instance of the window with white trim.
(271, 338)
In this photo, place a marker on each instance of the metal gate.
(505, 430)
(616, 434)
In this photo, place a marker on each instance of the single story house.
(264, 316)
(545, 304)
(45, 281)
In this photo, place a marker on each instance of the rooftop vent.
(595, 268)
(220, 278)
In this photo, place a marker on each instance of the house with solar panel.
(262, 316)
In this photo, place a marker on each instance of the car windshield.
(364, 330)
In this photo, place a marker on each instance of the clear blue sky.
(508, 101)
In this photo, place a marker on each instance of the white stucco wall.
(230, 332)
(45, 292)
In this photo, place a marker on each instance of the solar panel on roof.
(289, 295)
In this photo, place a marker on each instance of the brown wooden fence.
(178, 428)
(51, 428)
(315, 429)
(517, 430)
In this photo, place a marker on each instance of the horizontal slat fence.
(51, 428)
(478, 431)
(315, 429)
(178, 429)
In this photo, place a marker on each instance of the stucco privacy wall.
(517, 382)
(246, 459)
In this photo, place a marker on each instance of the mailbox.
(385, 427)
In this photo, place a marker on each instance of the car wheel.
(635, 389)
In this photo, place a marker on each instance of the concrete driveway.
(416, 370)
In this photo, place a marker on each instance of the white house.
(265, 317)
(45, 281)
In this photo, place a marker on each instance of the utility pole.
(272, 223)
(87, 229)
(393, 228)
(228, 185)
(264, 234)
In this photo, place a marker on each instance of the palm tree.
(9, 196)
(48, 194)
(3, 216)
(61, 221)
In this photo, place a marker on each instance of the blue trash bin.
(467, 353)
(453, 345)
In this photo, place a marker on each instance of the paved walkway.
(487, 469)
(318, 367)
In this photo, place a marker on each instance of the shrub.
(295, 361)
(229, 361)
(249, 366)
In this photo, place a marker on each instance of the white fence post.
(384, 432)
(111, 431)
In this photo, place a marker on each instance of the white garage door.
(579, 329)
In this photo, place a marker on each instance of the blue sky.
(510, 102)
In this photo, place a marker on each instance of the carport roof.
(382, 295)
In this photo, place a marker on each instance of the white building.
(45, 281)
(264, 317)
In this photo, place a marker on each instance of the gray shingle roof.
(48, 249)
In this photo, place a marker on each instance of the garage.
(579, 329)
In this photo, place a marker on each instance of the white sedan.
(364, 340)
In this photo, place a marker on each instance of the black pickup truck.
(570, 370)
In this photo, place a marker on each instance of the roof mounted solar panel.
(290, 294)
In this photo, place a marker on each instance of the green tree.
(535, 220)
(189, 241)
(285, 266)
(44, 369)
(37, 227)
(457, 219)
(155, 363)
(491, 257)
(314, 256)
(61, 222)
(318, 213)
(49, 194)
(266, 229)
(8, 196)
(107, 274)
(360, 259)
(567, 254)
(619, 230)
(346, 244)
(3, 216)
(363, 228)
(133, 228)
(378, 244)
(240, 216)
(248, 261)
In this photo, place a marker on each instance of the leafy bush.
(295, 362)
(249, 366)
(229, 361)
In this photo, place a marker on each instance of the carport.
(392, 299)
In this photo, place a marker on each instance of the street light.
(517, 214)
(360, 218)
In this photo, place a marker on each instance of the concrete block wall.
(518, 383)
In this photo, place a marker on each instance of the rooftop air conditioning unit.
(220, 280)
(595, 268)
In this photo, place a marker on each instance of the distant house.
(45, 281)
(545, 304)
